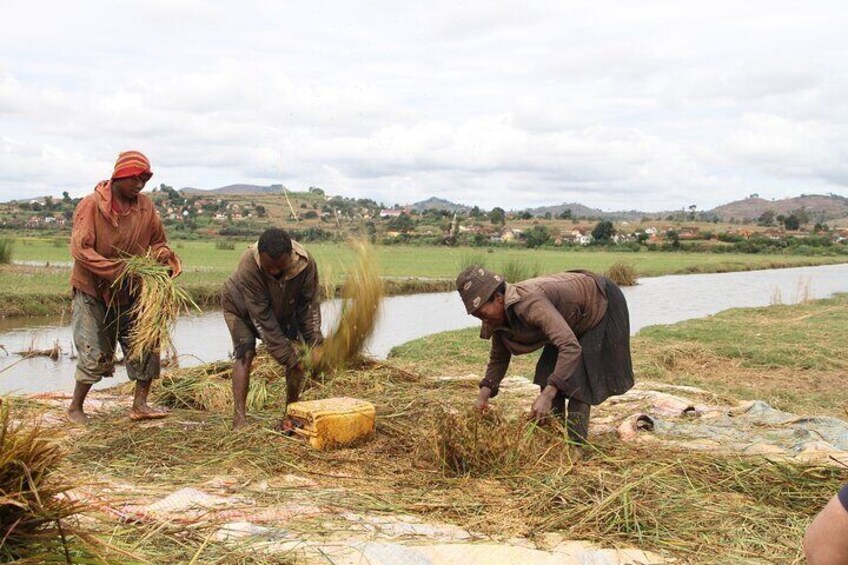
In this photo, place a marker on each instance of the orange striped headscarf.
(131, 163)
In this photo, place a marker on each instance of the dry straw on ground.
(497, 474)
(31, 506)
(158, 302)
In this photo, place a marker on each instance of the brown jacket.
(274, 305)
(555, 309)
(100, 237)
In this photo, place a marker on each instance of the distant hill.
(581, 211)
(236, 189)
(434, 203)
(819, 207)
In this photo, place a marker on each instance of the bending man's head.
(275, 247)
(482, 293)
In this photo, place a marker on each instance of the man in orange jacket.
(114, 221)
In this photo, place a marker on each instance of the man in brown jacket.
(581, 321)
(114, 221)
(272, 296)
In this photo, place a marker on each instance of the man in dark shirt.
(581, 321)
(272, 296)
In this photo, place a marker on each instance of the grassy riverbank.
(681, 503)
(791, 356)
(41, 286)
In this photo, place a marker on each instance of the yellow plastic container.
(333, 422)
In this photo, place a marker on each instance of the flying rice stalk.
(360, 303)
(157, 303)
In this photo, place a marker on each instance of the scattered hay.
(53, 353)
(158, 301)
(622, 274)
(432, 458)
(31, 505)
(360, 303)
(209, 387)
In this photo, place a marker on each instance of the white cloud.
(618, 105)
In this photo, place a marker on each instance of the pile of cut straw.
(31, 508)
(157, 303)
(467, 442)
(432, 458)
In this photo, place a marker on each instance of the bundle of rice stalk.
(361, 295)
(471, 443)
(158, 301)
(31, 507)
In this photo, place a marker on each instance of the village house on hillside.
(688, 232)
(394, 213)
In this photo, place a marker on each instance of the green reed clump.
(515, 270)
(6, 248)
(471, 259)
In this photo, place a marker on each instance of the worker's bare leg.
(578, 421)
(75, 411)
(294, 384)
(241, 382)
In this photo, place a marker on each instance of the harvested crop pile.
(466, 442)
(31, 509)
(496, 474)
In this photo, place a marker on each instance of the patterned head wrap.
(131, 163)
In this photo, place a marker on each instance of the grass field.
(34, 289)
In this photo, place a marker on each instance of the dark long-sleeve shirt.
(555, 309)
(272, 304)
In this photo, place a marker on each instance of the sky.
(616, 105)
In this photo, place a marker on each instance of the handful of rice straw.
(157, 303)
(361, 296)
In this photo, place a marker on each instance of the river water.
(204, 337)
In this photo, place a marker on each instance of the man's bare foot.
(77, 417)
(239, 422)
(146, 412)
